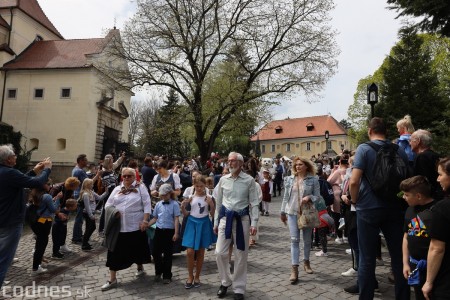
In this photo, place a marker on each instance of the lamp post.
(327, 136)
(372, 97)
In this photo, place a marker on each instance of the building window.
(308, 146)
(297, 145)
(263, 148)
(39, 94)
(278, 130)
(12, 94)
(288, 147)
(273, 148)
(61, 144)
(34, 143)
(65, 93)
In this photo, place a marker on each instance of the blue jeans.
(9, 240)
(369, 223)
(295, 240)
(78, 226)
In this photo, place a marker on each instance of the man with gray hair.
(236, 196)
(425, 162)
(12, 204)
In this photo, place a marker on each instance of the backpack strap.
(377, 147)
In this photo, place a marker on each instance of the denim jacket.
(311, 188)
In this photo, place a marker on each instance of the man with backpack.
(378, 168)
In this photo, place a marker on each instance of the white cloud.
(79, 19)
(367, 31)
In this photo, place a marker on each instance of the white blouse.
(199, 207)
(296, 194)
(131, 206)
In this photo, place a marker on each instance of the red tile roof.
(34, 10)
(57, 54)
(297, 128)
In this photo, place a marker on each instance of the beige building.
(302, 137)
(53, 91)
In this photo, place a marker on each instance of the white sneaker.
(321, 253)
(345, 239)
(64, 248)
(39, 270)
(341, 223)
(339, 241)
(350, 272)
(348, 251)
(109, 285)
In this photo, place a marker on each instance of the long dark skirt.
(131, 248)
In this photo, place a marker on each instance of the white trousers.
(239, 280)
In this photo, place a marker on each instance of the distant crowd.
(392, 190)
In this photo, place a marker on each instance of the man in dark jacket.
(12, 204)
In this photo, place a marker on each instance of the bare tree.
(289, 47)
(133, 128)
(143, 118)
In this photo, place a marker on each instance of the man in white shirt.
(236, 195)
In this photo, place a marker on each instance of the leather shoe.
(238, 296)
(222, 292)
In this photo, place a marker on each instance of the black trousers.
(42, 231)
(90, 228)
(163, 245)
(322, 232)
(59, 234)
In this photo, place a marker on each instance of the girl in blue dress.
(198, 234)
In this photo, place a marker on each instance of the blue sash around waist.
(230, 215)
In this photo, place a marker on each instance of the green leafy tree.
(409, 82)
(167, 137)
(9, 136)
(435, 14)
(178, 44)
(413, 80)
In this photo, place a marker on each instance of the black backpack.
(326, 191)
(388, 171)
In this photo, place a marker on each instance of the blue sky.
(366, 33)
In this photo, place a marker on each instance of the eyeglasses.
(127, 176)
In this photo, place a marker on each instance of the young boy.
(166, 216)
(416, 240)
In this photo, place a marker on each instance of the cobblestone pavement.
(81, 274)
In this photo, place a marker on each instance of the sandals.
(190, 285)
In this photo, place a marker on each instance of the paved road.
(81, 274)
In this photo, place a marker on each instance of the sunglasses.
(127, 176)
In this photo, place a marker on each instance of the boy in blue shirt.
(166, 216)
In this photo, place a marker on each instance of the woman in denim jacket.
(304, 185)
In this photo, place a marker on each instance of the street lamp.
(327, 136)
(372, 97)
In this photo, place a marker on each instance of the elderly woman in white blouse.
(132, 201)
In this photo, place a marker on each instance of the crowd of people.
(170, 205)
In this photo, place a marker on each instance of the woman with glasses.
(300, 188)
(132, 202)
